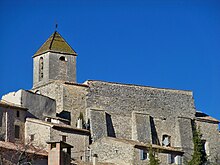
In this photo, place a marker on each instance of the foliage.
(153, 160)
(199, 155)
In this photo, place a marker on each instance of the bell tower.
(55, 60)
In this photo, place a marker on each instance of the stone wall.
(38, 105)
(41, 133)
(98, 125)
(185, 140)
(210, 133)
(54, 68)
(113, 152)
(8, 120)
(36, 75)
(120, 100)
(53, 90)
(141, 127)
(79, 141)
(69, 97)
(2, 123)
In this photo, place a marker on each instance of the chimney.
(95, 159)
(59, 153)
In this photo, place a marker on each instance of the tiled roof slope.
(55, 43)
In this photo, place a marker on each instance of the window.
(62, 58)
(17, 131)
(170, 158)
(31, 137)
(63, 138)
(143, 155)
(41, 67)
(166, 140)
(178, 160)
(18, 114)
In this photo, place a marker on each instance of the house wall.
(165, 106)
(11, 157)
(70, 98)
(38, 105)
(79, 140)
(8, 120)
(113, 152)
(210, 133)
(41, 132)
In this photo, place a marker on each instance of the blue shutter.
(169, 159)
(141, 155)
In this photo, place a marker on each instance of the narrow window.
(18, 114)
(166, 140)
(17, 131)
(31, 137)
(178, 160)
(41, 67)
(143, 155)
(170, 158)
(63, 138)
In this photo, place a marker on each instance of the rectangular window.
(143, 155)
(18, 114)
(170, 158)
(17, 131)
(63, 138)
(31, 138)
(178, 160)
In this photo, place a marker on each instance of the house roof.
(200, 116)
(27, 148)
(55, 43)
(7, 104)
(91, 82)
(138, 144)
(59, 126)
(62, 143)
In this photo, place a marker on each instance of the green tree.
(153, 160)
(199, 155)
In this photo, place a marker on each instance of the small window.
(17, 131)
(18, 114)
(143, 155)
(170, 158)
(178, 160)
(63, 138)
(31, 138)
(62, 58)
(166, 140)
(41, 68)
(48, 119)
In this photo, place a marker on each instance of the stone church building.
(60, 121)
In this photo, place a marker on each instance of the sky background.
(167, 44)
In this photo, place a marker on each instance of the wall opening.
(166, 140)
(18, 113)
(17, 132)
(62, 58)
(41, 68)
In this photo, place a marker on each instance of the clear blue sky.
(167, 44)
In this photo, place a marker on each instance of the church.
(62, 122)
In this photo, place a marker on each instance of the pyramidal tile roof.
(55, 43)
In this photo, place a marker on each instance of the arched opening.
(41, 68)
(62, 58)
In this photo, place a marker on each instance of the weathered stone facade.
(79, 138)
(12, 119)
(114, 123)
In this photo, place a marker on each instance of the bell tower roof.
(55, 43)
